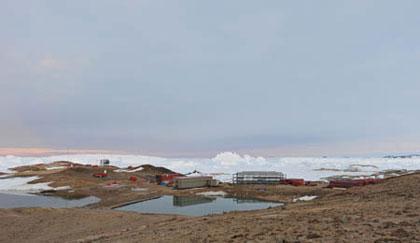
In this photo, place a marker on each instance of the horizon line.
(45, 151)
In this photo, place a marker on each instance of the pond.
(197, 206)
(31, 200)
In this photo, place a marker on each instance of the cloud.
(61, 74)
(57, 65)
(50, 63)
(16, 151)
(178, 80)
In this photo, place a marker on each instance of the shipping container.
(193, 182)
(347, 183)
(293, 182)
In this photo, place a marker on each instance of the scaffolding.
(258, 177)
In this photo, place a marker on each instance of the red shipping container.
(167, 178)
(296, 182)
(293, 182)
(350, 183)
(100, 175)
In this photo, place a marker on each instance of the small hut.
(104, 162)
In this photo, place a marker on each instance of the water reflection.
(197, 206)
(181, 201)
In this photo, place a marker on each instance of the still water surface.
(197, 206)
(30, 200)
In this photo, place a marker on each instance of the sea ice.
(224, 165)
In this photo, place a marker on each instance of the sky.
(200, 77)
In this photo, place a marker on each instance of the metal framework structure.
(258, 177)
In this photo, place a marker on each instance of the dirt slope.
(386, 212)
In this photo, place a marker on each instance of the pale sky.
(201, 77)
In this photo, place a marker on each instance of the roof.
(259, 173)
(194, 177)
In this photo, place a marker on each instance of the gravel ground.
(385, 212)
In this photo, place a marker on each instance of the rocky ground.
(117, 189)
(385, 212)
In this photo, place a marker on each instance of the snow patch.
(20, 184)
(56, 168)
(129, 171)
(213, 194)
(195, 173)
(62, 188)
(305, 198)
